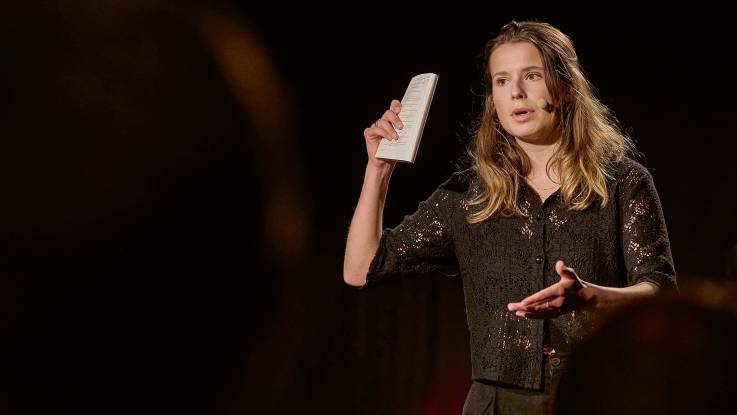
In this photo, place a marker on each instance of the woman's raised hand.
(383, 127)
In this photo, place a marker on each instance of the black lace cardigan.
(503, 260)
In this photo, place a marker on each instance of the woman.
(550, 190)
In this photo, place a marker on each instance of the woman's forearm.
(364, 233)
(609, 298)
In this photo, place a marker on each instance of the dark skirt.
(493, 398)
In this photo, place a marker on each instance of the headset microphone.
(545, 105)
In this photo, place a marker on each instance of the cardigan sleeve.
(421, 244)
(645, 243)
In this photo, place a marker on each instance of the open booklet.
(415, 106)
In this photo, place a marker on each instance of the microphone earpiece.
(545, 105)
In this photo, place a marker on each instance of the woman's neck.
(539, 155)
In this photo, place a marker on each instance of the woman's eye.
(501, 81)
(533, 76)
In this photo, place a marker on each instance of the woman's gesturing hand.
(562, 297)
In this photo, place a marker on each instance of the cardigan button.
(539, 259)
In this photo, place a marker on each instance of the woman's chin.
(536, 138)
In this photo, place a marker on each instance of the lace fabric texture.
(503, 260)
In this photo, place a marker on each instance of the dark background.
(665, 74)
(172, 241)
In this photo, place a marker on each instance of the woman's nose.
(517, 91)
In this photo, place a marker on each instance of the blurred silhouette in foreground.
(671, 356)
(144, 222)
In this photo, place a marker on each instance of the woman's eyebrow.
(525, 69)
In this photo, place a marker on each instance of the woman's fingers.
(395, 106)
(392, 115)
(373, 133)
(546, 303)
(553, 291)
(550, 308)
(567, 272)
(386, 126)
(553, 303)
(387, 129)
(550, 302)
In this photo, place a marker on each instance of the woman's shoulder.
(629, 170)
(461, 181)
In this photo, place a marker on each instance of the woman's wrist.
(379, 172)
(598, 297)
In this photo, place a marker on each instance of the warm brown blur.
(151, 205)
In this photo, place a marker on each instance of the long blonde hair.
(591, 140)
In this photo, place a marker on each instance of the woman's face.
(518, 82)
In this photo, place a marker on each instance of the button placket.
(539, 217)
